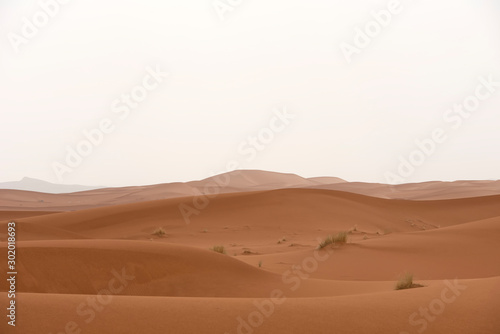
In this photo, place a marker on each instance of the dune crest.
(117, 259)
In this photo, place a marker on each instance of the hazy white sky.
(227, 78)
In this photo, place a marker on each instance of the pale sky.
(227, 79)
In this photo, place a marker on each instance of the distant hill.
(32, 194)
(248, 180)
(239, 180)
(36, 185)
(36, 195)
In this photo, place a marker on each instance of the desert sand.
(89, 262)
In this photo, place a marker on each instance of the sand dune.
(157, 269)
(419, 191)
(6, 215)
(463, 251)
(235, 181)
(99, 268)
(238, 181)
(311, 213)
(473, 310)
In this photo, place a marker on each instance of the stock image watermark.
(293, 278)
(11, 273)
(31, 26)
(93, 305)
(453, 119)
(248, 151)
(94, 137)
(223, 7)
(436, 307)
(363, 37)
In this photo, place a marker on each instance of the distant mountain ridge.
(260, 180)
(36, 195)
(31, 184)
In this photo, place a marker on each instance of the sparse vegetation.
(406, 282)
(260, 264)
(339, 238)
(219, 249)
(159, 232)
(282, 240)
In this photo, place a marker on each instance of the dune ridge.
(234, 182)
(101, 269)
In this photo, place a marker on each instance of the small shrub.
(159, 232)
(219, 249)
(339, 238)
(326, 242)
(406, 282)
(260, 264)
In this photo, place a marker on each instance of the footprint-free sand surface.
(89, 262)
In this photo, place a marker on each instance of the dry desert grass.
(159, 232)
(337, 239)
(406, 282)
(219, 249)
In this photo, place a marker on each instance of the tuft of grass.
(339, 238)
(219, 249)
(406, 282)
(326, 242)
(159, 232)
(260, 264)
